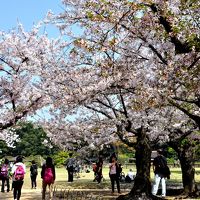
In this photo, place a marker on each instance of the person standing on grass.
(5, 175)
(114, 173)
(33, 174)
(161, 171)
(48, 176)
(18, 172)
(70, 163)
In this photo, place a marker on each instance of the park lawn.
(86, 179)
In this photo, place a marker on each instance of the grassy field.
(86, 179)
(85, 186)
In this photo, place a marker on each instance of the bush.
(38, 159)
(60, 158)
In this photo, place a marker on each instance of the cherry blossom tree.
(151, 45)
(22, 54)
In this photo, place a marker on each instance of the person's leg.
(156, 184)
(35, 181)
(98, 177)
(51, 191)
(71, 174)
(163, 181)
(19, 188)
(8, 184)
(2, 185)
(68, 171)
(118, 185)
(31, 181)
(112, 179)
(44, 186)
(14, 185)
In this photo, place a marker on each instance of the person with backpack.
(33, 174)
(48, 176)
(5, 175)
(18, 172)
(161, 171)
(114, 172)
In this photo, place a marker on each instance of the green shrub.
(60, 158)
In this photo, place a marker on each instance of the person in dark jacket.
(47, 173)
(5, 175)
(159, 168)
(33, 174)
(70, 163)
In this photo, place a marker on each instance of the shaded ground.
(28, 194)
(88, 194)
(86, 188)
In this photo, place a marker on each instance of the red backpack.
(19, 173)
(48, 175)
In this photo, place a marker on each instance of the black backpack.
(34, 170)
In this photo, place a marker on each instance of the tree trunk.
(188, 171)
(142, 184)
(186, 156)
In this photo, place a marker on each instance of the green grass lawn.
(86, 179)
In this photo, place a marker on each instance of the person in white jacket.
(18, 172)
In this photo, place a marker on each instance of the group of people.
(115, 170)
(48, 175)
(160, 168)
(17, 171)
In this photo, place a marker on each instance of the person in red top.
(48, 176)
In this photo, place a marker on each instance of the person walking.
(161, 171)
(70, 163)
(5, 175)
(18, 172)
(114, 173)
(33, 174)
(48, 176)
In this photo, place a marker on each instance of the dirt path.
(27, 194)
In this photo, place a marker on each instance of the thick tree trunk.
(188, 171)
(186, 157)
(142, 184)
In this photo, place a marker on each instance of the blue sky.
(27, 12)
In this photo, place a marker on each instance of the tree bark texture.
(142, 184)
(186, 156)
